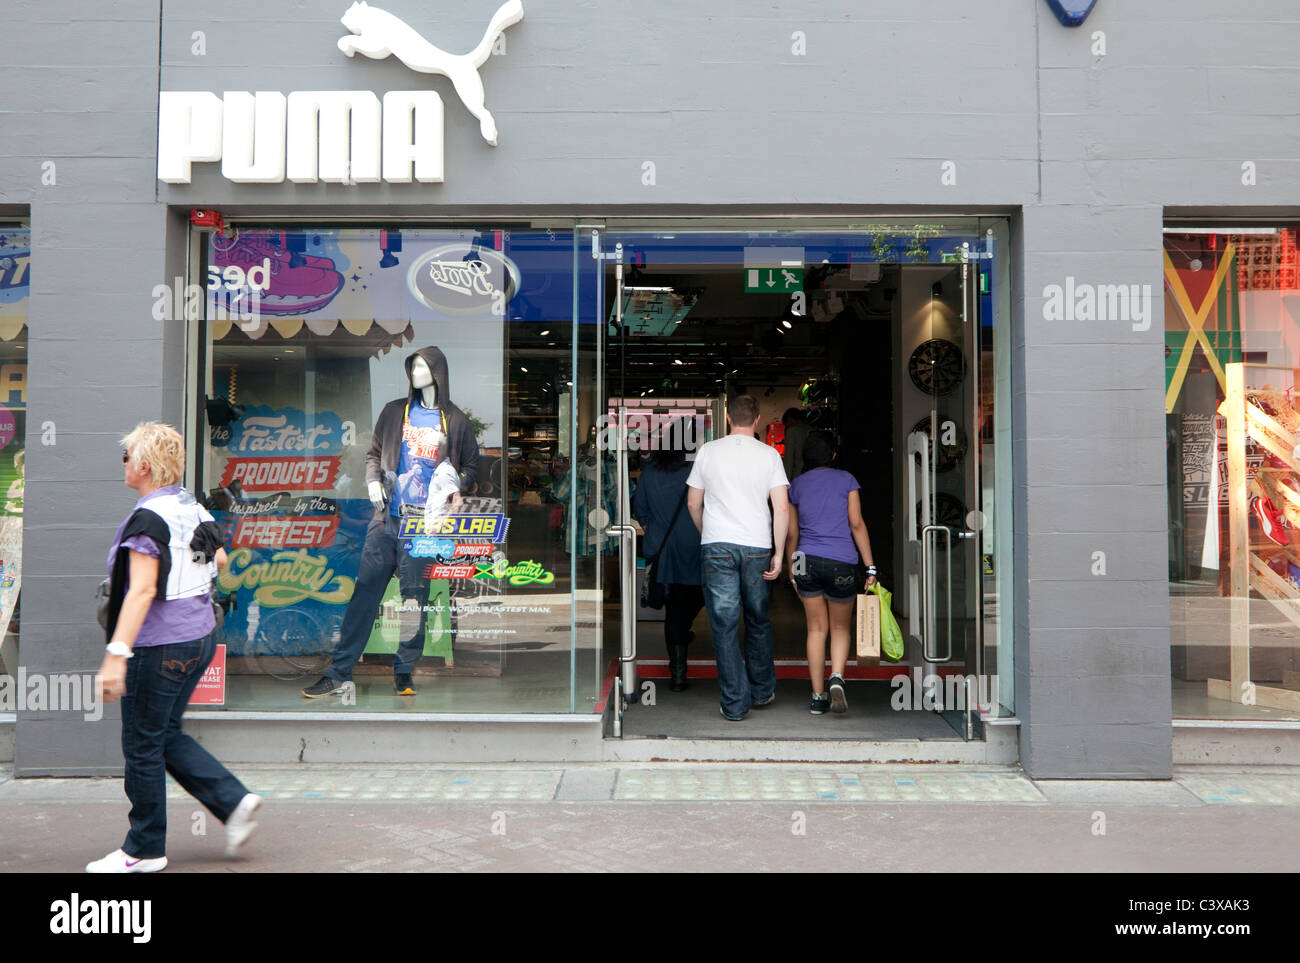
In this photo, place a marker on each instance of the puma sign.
(336, 136)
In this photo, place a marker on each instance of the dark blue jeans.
(381, 555)
(159, 682)
(734, 583)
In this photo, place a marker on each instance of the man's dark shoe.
(820, 703)
(402, 684)
(731, 718)
(838, 702)
(325, 686)
(766, 702)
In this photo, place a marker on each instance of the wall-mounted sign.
(336, 136)
(779, 280)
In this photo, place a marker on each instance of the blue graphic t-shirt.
(423, 444)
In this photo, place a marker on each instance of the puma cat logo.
(378, 34)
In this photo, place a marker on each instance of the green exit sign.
(775, 280)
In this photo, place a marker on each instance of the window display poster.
(211, 690)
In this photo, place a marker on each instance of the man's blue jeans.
(734, 583)
(159, 682)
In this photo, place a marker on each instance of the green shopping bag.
(891, 636)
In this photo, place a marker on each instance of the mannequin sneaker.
(119, 862)
(240, 825)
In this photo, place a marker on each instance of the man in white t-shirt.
(727, 495)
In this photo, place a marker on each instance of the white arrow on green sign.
(774, 280)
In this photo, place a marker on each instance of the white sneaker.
(119, 862)
(240, 825)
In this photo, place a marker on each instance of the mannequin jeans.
(381, 555)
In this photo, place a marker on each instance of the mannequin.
(421, 381)
(414, 438)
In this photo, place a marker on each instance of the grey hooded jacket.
(386, 445)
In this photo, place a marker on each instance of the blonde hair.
(159, 446)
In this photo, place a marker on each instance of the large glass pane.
(15, 287)
(316, 405)
(1232, 354)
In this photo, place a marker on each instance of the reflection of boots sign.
(464, 279)
(289, 577)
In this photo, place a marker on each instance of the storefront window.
(1232, 354)
(389, 446)
(15, 282)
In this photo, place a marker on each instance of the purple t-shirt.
(177, 620)
(822, 497)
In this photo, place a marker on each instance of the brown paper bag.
(868, 613)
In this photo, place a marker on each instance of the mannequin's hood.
(437, 362)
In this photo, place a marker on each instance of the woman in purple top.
(160, 627)
(826, 538)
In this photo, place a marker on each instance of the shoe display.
(838, 702)
(325, 686)
(1270, 520)
(402, 684)
(821, 702)
(240, 825)
(119, 862)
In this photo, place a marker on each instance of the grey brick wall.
(1084, 153)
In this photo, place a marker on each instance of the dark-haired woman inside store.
(826, 538)
(657, 505)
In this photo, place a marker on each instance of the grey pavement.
(722, 817)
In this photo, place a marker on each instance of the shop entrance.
(873, 338)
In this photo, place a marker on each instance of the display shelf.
(1277, 432)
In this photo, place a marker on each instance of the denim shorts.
(825, 576)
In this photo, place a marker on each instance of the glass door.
(939, 407)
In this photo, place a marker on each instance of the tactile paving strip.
(846, 785)
(1244, 789)
(395, 784)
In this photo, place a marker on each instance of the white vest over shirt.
(737, 473)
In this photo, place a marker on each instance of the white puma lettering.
(378, 34)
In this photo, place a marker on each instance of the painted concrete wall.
(1085, 152)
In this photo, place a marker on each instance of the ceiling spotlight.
(542, 334)
(678, 361)
(786, 324)
(523, 369)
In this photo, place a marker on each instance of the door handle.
(930, 593)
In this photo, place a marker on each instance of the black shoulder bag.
(652, 592)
